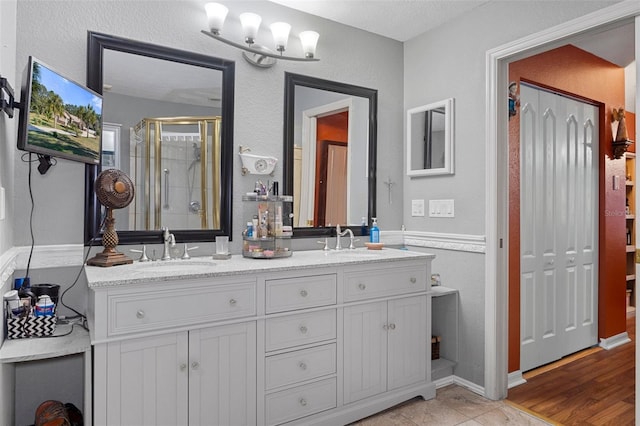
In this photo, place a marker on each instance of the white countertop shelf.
(439, 290)
(35, 348)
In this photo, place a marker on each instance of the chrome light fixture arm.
(258, 51)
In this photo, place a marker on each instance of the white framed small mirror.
(430, 139)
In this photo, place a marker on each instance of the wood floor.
(597, 387)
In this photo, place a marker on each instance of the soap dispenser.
(374, 232)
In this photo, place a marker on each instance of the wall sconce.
(621, 142)
(256, 54)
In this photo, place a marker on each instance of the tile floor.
(453, 405)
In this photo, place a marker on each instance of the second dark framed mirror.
(330, 136)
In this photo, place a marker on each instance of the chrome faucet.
(340, 234)
(169, 242)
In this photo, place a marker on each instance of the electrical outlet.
(417, 208)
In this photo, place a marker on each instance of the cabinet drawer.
(298, 366)
(301, 329)
(300, 292)
(142, 311)
(361, 285)
(301, 401)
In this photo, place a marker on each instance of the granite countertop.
(202, 267)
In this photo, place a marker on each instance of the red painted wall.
(333, 127)
(574, 71)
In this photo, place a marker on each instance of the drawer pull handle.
(413, 280)
(195, 365)
(302, 366)
(362, 286)
(233, 302)
(140, 314)
(183, 367)
(303, 329)
(303, 293)
(303, 402)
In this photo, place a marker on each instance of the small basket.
(435, 347)
(30, 326)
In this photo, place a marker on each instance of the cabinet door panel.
(407, 339)
(365, 355)
(145, 385)
(222, 375)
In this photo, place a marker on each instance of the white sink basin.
(357, 253)
(178, 265)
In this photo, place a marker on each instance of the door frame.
(497, 176)
(309, 121)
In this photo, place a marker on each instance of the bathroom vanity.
(315, 338)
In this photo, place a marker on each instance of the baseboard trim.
(514, 379)
(455, 380)
(614, 341)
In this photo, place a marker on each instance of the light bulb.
(216, 13)
(309, 40)
(250, 25)
(280, 31)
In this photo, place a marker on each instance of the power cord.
(83, 317)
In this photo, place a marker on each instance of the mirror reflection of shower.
(194, 205)
(177, 167)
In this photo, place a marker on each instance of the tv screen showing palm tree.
(63, 118)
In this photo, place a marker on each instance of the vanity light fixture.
(256, 54)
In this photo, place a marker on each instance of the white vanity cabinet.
(147, 374)
(385, 342)
(313, 339)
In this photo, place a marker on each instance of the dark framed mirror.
(211, 165)
(331, 174)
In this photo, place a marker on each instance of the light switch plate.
(417, 208)
(441, 208)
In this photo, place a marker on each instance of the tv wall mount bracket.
(9, 104)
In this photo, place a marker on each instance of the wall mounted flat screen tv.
(59, 117)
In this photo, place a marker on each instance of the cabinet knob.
(385, 327)
(413, 280)
(303, 293)
(392, 326)
(303, 402)
(572, 260)
(183, 367)
(361, 286)
(195, 365)
(302, 365)
(140, 314)
(233, 302)
(303, 329)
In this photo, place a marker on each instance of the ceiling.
(410, 18)
(396, 19)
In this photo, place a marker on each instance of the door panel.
(222, 370)
(559, 136)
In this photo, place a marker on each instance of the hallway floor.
(592, 387)
(453, 405)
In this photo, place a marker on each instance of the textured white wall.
(7, 150)
(56, 33)
(449, 61)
